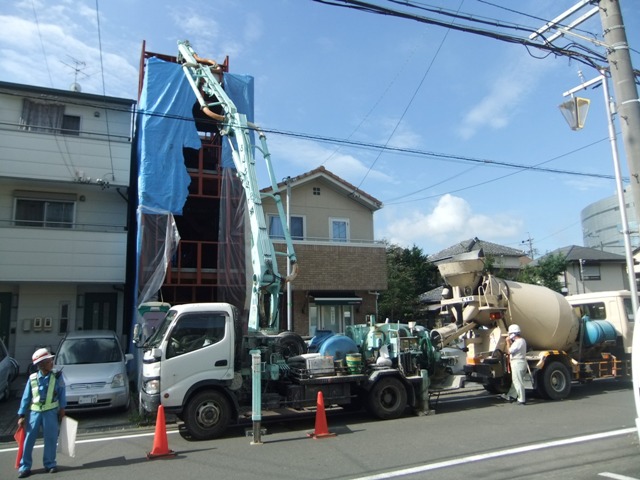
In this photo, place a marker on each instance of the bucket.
(354, 363)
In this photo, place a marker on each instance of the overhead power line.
(447, 157)
(437, 155)
(575, 51)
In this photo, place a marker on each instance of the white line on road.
(497, 454)
(616, 476)
(98, 439)
(431, 466)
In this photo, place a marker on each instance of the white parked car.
(94, 369)
(9, 370)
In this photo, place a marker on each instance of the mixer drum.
(546, 319)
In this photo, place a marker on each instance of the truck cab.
(196, 346)
(614, 307)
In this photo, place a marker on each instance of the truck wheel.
(387, 399)
(207, 415)
(556, 381)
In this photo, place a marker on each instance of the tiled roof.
(352, 190)
(574, 253)
(467, 246)
(432, 296)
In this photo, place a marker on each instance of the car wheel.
(126, 406)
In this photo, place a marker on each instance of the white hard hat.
(514, 329)
(40, 354)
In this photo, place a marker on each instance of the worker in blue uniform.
(44, 401)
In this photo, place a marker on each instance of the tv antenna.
(77, 67)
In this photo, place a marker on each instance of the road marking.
(616, 476)
(497, 454)
(99, 439)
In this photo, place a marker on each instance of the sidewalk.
(88, 422)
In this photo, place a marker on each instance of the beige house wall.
(318, 209)
(356, 268)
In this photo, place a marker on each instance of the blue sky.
(334, 73)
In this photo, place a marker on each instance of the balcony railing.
(49, 225)
(60, 131)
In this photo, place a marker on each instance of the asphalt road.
(471, 435)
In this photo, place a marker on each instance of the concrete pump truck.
(199, 363)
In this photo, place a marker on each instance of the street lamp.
(575, 111)
(575, 116)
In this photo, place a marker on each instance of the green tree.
(490, 266)
(546, 272)
(409, 275)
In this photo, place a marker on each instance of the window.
(339, 228)
(296, 230)
(63, 325)
(196, 331)
(316, 190)
(590, 272)
(36, 210)
(48, 118)
(41, 117)
(595, 311)
(628, 308)
(70, 125)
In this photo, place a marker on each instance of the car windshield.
(79, 351)
(156, 339)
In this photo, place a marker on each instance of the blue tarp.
(239, 88)
(166, 126)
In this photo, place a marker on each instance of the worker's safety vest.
(37, 404)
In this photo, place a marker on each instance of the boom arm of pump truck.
(202, 75)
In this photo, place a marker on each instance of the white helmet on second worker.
(40, 355)
(514, 329)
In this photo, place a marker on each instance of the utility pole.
(628, 106)
(529, 240)
(626, 95)
(625, 91)
(289, 299)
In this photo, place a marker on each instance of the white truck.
(199, 363)
(575, 338)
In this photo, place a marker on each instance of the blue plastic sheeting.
(239, 88)
(165, 127)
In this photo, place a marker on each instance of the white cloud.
(585, 184)
(450, 221)
(403, 136)
(506, 93)
(307, 155)
(25, 45)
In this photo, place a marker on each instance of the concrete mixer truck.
(576, 338)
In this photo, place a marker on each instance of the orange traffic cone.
(321, 429)
(160, 444)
